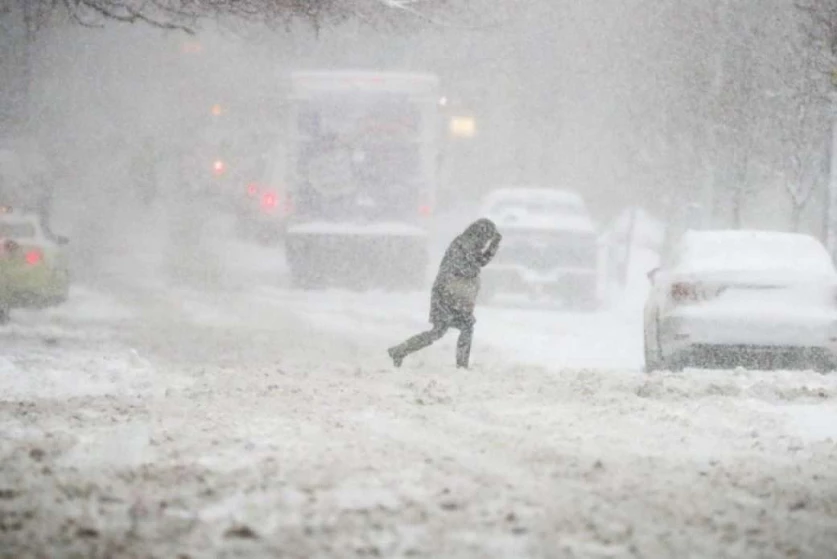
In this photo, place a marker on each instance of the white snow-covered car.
(550, 245)
(742, 298)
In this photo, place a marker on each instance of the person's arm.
(459, 261)
(489, 253)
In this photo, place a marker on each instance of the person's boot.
(396, 355)
(417, 342)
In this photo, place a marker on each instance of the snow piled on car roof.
(750, 250)
(538, 208)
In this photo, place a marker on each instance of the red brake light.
(219, 167)
(425, 210)
(682, 292)
(269, 200)
(252, 189)
(34, 257)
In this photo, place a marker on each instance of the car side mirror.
(652, 274)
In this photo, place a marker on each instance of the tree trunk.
(737, 202)
(629, 241)
(16, 46)
(30, 23)
(830, 209)
(796, 215)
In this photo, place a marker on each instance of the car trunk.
(756, 299)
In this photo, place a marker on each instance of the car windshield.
(792, 253)
(542, 207)
(16, 230)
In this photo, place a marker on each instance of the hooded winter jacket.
(458, 280)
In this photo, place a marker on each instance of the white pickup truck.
(550, 246)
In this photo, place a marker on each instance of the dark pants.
(421, 341)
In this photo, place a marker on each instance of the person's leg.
(463, 344)
(417, 342)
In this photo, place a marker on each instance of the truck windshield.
(366, 145)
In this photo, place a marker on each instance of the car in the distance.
(262, 213)
(550, 246)
(34, 272)
(261, 203)
(760, 299)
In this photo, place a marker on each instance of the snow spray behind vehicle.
(361, 178)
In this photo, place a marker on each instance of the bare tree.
(802, 125)
(820, 23)
(729, 105)
(186, 15)
(695, 107)
(23, 21)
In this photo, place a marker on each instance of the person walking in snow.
(455, 292)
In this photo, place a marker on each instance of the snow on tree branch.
(185, 15)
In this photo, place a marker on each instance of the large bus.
(361, 178)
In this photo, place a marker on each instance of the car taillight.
(685, 292)
(682, 292)
(269, 201)
(425, 210)
(34, 257)
(252, 189)
(219, 167)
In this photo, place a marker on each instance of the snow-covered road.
(266, 422)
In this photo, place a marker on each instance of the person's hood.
(480, 232)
